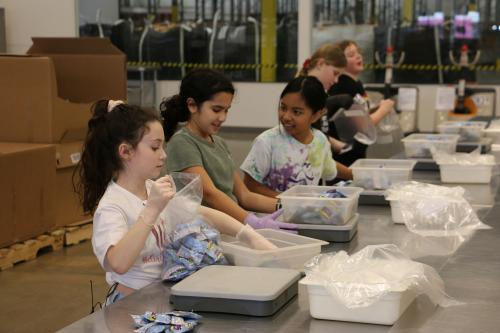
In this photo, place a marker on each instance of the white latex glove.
(162, 191)
(255, 240)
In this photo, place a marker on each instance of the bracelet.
(278, 204)
(141, 218)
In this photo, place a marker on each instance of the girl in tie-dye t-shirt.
(292, 153)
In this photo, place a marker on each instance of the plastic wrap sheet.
(432, 210)
(361, 279)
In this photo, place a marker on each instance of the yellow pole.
(268, 40)
(408, 11)
(175, 11)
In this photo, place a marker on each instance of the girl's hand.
(386, 105)
(162, 191)
(253, 239)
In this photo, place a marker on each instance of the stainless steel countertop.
(470, 270)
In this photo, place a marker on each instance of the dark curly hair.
(100, 161)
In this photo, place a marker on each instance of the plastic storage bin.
(470, 131)
(292, 252)
(396, 214)
(495, 151)
(386, 311)
(493, 133)
(381, 174)
(454, 173)
(419, 145)
(304, 204)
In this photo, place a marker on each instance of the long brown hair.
(100, 160)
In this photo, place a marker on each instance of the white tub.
(386, 311)
(304, 204)
(419, 145)
(396, 214)
(470, 131)
(493, 132)
(495, 151)
(467, 174)
(381, 173)
(292, 252)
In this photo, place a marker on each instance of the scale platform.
(373, 198)
(252, 291)
(331, 233)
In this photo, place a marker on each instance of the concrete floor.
(50, 292)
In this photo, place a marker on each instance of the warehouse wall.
(256, 104)
(35, 18)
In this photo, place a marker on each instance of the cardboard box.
(47, 98)
(27, 197)
(87, 69)
(68, 208)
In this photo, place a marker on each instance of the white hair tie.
(112, 104)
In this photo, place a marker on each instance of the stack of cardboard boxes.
(45, 103)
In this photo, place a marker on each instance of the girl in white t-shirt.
(293, 152)
(122, 152)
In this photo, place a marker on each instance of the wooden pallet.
(74, 235)
(29, 249)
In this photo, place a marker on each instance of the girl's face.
(208, 118)
(327, 74)
(148, 157)
(295, 116)
(354, 60)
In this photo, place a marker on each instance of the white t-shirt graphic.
(117, 211)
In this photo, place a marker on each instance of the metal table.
(470, 270)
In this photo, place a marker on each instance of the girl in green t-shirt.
(203, 102)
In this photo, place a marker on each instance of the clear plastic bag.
(389, 123)
(183, 207)
(361, 279)
(432, 210)
(354, 124)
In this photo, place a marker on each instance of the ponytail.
(173, 111)
(305, 68)
(100, 161)
(200, 85)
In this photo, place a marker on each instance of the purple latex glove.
(269, 221)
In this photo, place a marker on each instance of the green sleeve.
(182, 153)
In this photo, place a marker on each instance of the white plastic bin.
(396, 214)
(419, 145)
(495, 151)
(386, 311)
(493, 133)
(381, 174)
(470, 131)
(304, 204)
(292, 252)
(455, 173)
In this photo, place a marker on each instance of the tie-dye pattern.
(279, 161)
